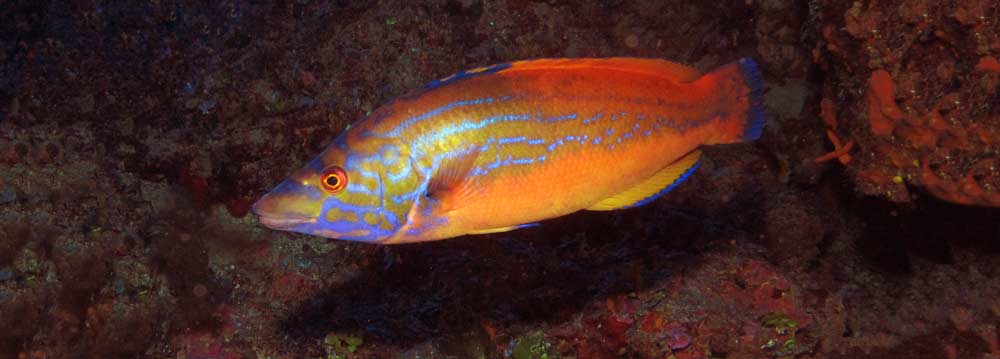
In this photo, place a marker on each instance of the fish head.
(339, 194)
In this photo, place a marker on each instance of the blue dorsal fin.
(462, 75)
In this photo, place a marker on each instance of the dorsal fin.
(653, 187)
(652, 67)
(461, 75)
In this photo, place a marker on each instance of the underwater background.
(135, 135)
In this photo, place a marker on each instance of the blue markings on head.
(359, 188)
(353, 164)
(462, 75)
(390, 155)
(403, 198)
(403, 173)
(350, 230)
(683, 177)
(425, 172)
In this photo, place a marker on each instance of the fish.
(505, 146)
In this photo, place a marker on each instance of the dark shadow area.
(547, 273)
(894, 234)
(928, 346)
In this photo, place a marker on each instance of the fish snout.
(288, 205)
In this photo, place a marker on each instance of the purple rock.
(677, 336)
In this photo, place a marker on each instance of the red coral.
(988, 63)
(840, 150)
(883, 113)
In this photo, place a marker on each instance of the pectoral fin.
(451, 187)
(655, 186)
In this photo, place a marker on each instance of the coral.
(840, 150)
(988, 63)
(883, 114)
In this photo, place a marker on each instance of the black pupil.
(332, 181)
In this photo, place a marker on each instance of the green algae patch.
(338, 347)
(531, 347)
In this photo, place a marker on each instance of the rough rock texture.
(917, 85)
(135, 135)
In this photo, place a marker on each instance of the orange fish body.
(501, 147)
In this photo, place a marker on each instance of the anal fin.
(653, 187)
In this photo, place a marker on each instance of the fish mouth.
(289, 207)
(283, 223)
(281, 220)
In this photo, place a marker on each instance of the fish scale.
(501, 147)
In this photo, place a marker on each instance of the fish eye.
(334, 179)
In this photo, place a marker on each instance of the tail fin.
(742, 86)
(755, 112)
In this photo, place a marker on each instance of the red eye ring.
(334, 179)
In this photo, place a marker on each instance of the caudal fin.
(742, 87)
(755, 113)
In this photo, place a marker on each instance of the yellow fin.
(656, 185)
